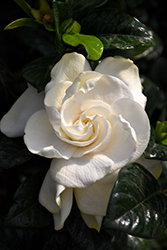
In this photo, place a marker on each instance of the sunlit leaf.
(44, 13)
(92, 44)
(161, 132)
(23, 22)
(137, 206)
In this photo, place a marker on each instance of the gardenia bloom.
(92, 123)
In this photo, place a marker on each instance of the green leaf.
(73, 28)
(64, 9)
(59, 46)
(84, 237)
(9, 89)
(137, 206)
(126, 241)
(161, 132)
(26, 211)
(133, 3)
(117, 30)
(123, 42)
(81, 4)
(69, 26)
(151, 90)
(13, 152)
(154, 150)
(25, 21)
(92, 44)
(25, 6)
(37, 72)
(39, 39)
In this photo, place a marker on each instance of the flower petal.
(14, 122)
(123, 142)
(108, 89)
(66, 204)
(53, 101)
(67, 69)
(41, 139)
(125, 70)
(92, 221)
(153, 166)
(57, 199)
(77, 173)
(138, 120)
(93, 200)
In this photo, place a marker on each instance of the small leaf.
(137, 206)
(37, 72)
(23, 22)
(73, 28)
(154, 150)
(26, 211)
(44, 13)
(25, 6)
(13, 152)
(161, 132)
(92, 44)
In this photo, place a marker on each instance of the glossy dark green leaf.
(59, 46)
(133, 3)
(137, 206)
(25, 21)
(92, 44)
(128, 242)
(26, 211)
(37, 72)
(81, 4)
(154, 150)
(151, 90)
(37, 39)
(136, 243)
(24, 238)
(117, 30)
(84, 237)
(62, 11)
(123, 42)
(161, 132)
(9, 89)
(64, 8)
(13, 152)
(61, 240)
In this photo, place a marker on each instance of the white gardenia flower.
(92, 123)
